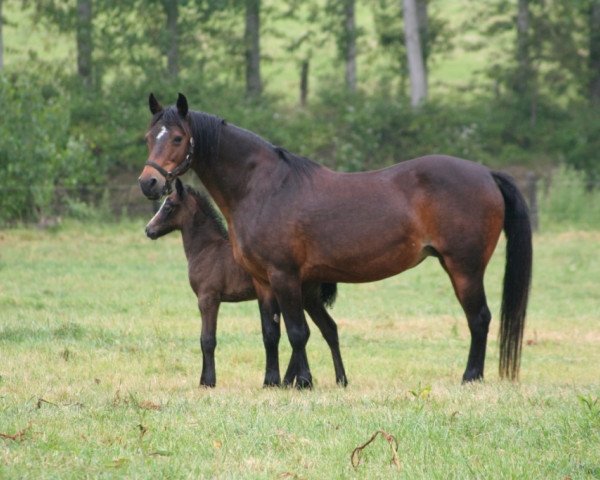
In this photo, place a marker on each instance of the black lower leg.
(271, 331)
(288, 292)
(478, 326)
(328, 329)
(208, 378)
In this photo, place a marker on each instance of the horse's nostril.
(153, 181)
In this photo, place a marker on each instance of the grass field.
(99, 365)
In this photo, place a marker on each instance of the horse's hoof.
(271, 384)
(288, 381)
(207, 384)
(471, 378)
(272, 379)
(304, 383)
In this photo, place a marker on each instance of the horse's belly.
(375, 261)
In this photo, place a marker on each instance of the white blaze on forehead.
(156, 214)
(163, 130)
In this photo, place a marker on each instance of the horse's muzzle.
(152, 186)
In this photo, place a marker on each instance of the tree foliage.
(77, 136)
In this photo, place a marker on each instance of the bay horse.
(293, 221)
(215, 277)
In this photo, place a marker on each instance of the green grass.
(99, 364)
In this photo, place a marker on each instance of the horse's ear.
(179, 188)
(182, 105)
(155, 107)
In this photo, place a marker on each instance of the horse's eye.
(177, 140)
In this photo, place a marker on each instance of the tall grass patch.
(570, 201)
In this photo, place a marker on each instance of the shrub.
(38, 152)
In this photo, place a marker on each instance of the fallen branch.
(355, 457)
(17, 437)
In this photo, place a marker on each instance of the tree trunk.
(350, 44)
(414, 53)
(594, 60)
(423, 19)
(523, 76)
(1, 39)
(84, 42)
(172, 11)
(304, 83)
(252, 40)
(524, 84)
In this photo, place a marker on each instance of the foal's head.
(177, 209)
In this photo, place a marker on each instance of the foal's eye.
(177, 140)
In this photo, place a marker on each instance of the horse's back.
(389, 219)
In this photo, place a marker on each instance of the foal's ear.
(155, 107)
(182, 105)
(179, 188)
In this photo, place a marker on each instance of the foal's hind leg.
(209, 309)
(314, 306)
(468, 286)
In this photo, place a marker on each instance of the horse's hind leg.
(314, 306)
(468, 286)
(209, 309)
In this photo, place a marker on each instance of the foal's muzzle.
(152, 234)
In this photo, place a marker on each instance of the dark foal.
(215, 277)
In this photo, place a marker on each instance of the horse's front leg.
(209, 309)
(271, 331)
(288, 291)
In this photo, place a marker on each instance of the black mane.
(301, 165)
(205, 129)
(208, 209)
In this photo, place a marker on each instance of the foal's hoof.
(207, 384)
(342, 381)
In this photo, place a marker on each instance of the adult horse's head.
(170, 143)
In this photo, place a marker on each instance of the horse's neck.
(198, 234)
(241, 157)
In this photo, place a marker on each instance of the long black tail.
(517, 275)
(328, 294)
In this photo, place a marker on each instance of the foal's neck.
(199, 233)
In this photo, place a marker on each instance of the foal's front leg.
(288, 291)
(209, 309)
